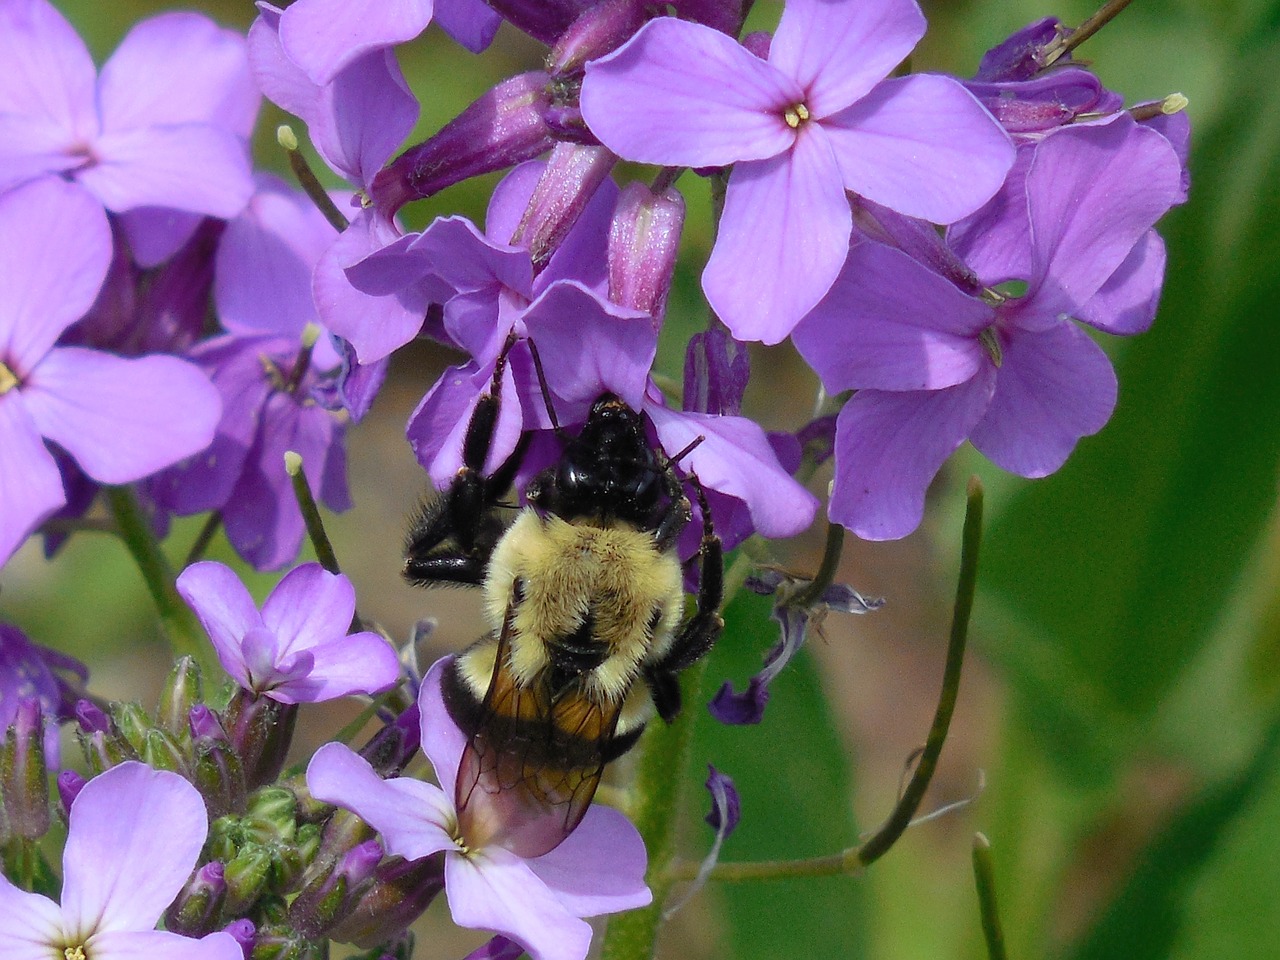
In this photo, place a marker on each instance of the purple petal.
(890, 445)
(738, 709)
(155, 234)
(682, 94)
(471, 23)
(437, 427)
(996, 241)
(736, 459)
(466, 259)
(1127, 302)
(413, 817)
(31, 147)
(152, 167)
(442, 741)
(324, 36)
(496, 890)
(122, 419)
(1093, 192)
(363, 116)
(510, 199)
(716, 370)
(56, 247)
(265, 260)
(837, 52)
(30, 484)
(599, 868)
(726, 806)
(890, 324)
(309, 606)
(179, 68)
(1054, 387)
(134, 837)
(163, 945)
(224, 608)
(496, 948)
(359, 663)
(32, 923)
(923, 146)
(782, 239)
(45, 69)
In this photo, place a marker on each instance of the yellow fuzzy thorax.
(565, 569)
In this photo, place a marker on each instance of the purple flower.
(933, 365)
(175, 97)
(30, 671)
(119, 419)
(538, 902)
(297, 649)
(814, 120)
(135, 834)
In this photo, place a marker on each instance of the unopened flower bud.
(132, 723)
(503, 127)
(543, 20)
(24, 782)
(162, 751)
(243, 932)
(70, 784)
(91, 718)
(395, 744)
(569, 181)
(280, 942)
(330, 893)
(276, 806)
(197, 908)
(181, 693)
(260, 730)
(401, 890)
(246, 876)
(643, 242)
(218, 775)
(601, 28)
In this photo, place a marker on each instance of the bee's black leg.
(453, 537)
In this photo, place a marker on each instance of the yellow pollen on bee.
(8, 380)
(795, 115)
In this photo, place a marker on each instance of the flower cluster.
(173, 324)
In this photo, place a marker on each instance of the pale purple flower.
(175, 98)
(538, 902)
(120, 419)
(29, 671)
(815, 119)
(297, 650)
(135, 834)
(933, 366)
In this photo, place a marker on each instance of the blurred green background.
(1122, 697)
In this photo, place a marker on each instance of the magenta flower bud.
(1045, 102)
(91, 717)
(543, 20)
(260, 730)
(401, 890)
(1021, 56)
(758, 43)
(328, 897)
(601, 29)
(392, 747)
(243, 932)
(180, 695)
(204, 723)
(566, 186)
(70, 784)
(197, 908)
(503, 127)
(643, 242)
(24, 782)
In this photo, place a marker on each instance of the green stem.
(179, 624)
(205, 537)
(307, 179)
(984, 877)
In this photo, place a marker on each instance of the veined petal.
(889, 446)
(30, 925)
(599, 868)
(441, 739)
(162, 945)
(1093, 192)
(996, 242)
(1054, 387)
(362, 116)
(30, 484)
(55, 245)
(889, 323)
(134, 837)
(783, 236)
(355, 663)
(224, 608)
(1126, 303)
(122, 419)
(324, 36)
(413, 817)
(45, 68)
(496, 890)
(679, 93)
(923, 146)
(309, 606)
(837, 52)
(179, 68)
(439, 424)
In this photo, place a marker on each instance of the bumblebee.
(584, 598)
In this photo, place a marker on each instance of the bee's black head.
(609, 470)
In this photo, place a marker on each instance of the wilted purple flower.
(538, 902)
(119, 419)
(726, 811)
(814, 120)
(297, 650)
(933, 366)
(175, 97)
(134, 837)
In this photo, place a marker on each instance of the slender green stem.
(826, 574)
(80, 525)
(1104, 15)
(984, 877)
(307, 179)
(855, 859)
(315, 523)
(205, 537)
(178, 622)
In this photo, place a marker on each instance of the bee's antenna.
(542, 383)
(693, 445)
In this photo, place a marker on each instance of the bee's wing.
(531, 767)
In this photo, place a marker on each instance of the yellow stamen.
(795, 115)
(8, 380)
(74, 953)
